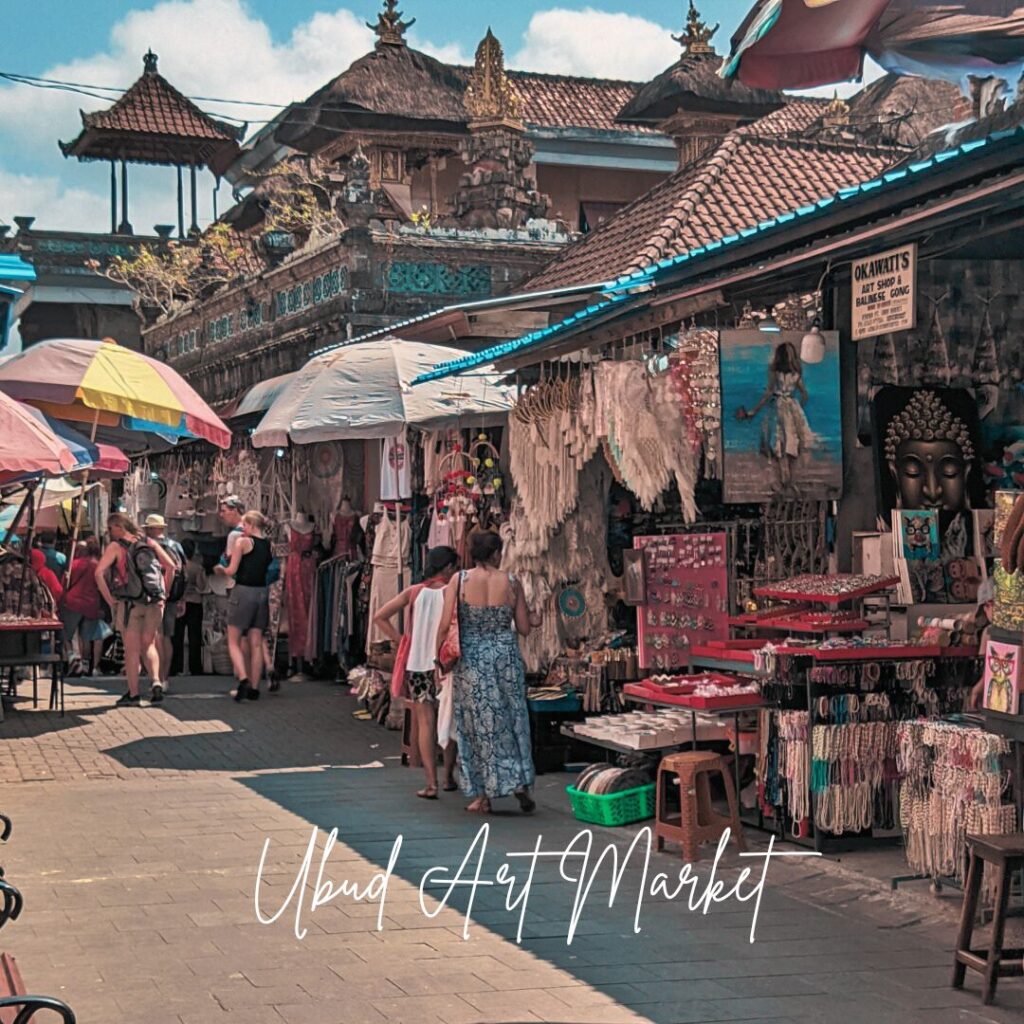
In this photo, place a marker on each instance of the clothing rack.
(332, 609)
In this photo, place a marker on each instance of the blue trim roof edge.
(889, 181)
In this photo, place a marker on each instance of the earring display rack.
(686, 582)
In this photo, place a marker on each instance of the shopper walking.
(47, 576)
(230, 512)
(248, 604)
(191, 623)
(133, 576)
(85, 628)
(418, 648)
(174, 606)
(490, 717)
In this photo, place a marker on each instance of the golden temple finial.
(390, 28)
(489, 94)
(696, 37)
(837, 113)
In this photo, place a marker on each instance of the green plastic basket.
(613, 808)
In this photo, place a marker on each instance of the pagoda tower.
(153, 123)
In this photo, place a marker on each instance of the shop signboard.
(884, 293)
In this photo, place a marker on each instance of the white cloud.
(76, 208)
(206, 48)
(212, 48)
(595, 43)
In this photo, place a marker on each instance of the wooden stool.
(697, 822)
(1006, 854)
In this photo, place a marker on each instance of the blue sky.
(272, 51)
(84, 25)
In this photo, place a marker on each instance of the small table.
(21, 645)
(715, 712)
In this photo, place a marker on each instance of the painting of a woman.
(785, 431)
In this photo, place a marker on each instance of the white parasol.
(364, 391)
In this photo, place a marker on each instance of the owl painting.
(918, 536)
(1002, 677)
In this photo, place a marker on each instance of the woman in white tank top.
(425, 602)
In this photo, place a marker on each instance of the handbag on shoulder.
(451, 650)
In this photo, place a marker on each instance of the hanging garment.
(395, 474)
(440, 530)
(383, 588)
(299, 575)
(348, 535)
(386, 545)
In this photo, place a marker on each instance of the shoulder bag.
(451, 650)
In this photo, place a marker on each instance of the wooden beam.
(623, 325)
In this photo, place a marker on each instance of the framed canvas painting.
(782, 431)
(917, 533)
(1002, 677)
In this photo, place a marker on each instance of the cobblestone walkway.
(138, 834)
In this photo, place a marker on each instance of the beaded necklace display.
(952, 784)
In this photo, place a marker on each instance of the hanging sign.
(884, 293)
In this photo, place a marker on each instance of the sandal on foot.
(430, 793)
(526, 803)
(450, 787)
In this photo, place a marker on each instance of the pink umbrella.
(798, 44)
(28, 447)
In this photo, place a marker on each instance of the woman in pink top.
(82, 609)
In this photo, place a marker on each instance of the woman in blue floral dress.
(490, 716)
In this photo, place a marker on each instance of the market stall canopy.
(799, 44)
(56, 493)
(364, 391)
(257, 400)
(123, 394)
(99, 458)
(28, 447)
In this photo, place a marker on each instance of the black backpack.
(177, 591)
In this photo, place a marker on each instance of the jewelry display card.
(1002, 677)
(686, 582)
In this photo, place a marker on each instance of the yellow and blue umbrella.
(120, 393)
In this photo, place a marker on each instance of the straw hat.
(154, 521)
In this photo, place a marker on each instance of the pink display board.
(686, 582)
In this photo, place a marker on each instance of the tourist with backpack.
(174, 607)
(133, 577)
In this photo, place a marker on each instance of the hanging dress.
(299, 579)
(490, 717)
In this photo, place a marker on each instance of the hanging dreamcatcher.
(325, 459)
(486, 468)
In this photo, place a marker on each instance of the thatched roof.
(901, 110)
(416, 92)
(693, 83)
(396, 82)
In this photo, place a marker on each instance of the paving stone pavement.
(137, 842)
